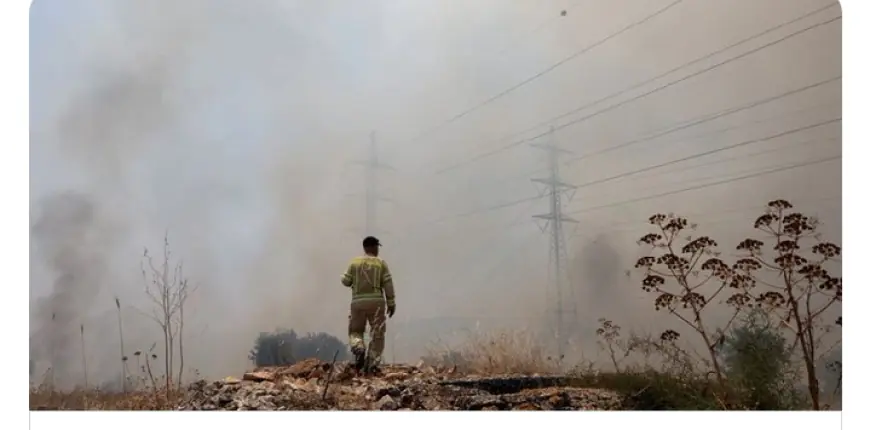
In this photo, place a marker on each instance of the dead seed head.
(779, 205)
(746, 265)
(750, 245)
(675, 225)
(766, 220)
(657, 219)
(718, 268)
(742, 282)
(740, 300)
(690, 299)
(665, 301)
(652, 282)
(645, 262)
(673, 262)
(771, 298)
(651, 238)
(669, 336)
(790, 261)
(827, 250)
(700, 244)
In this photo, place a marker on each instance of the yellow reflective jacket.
(369, 278)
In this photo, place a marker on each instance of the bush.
(652, 390)
(284, 347)
(758, 366)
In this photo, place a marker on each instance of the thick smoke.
(71, 243)
(237, 127)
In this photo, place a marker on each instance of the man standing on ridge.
(372, 301)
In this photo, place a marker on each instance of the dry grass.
(500, 352)
(662, 380)
(44, 398)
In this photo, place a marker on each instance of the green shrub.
(758, 365)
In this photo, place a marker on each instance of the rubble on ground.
(397, 387)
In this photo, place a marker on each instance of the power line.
(545, 71)
(755, 208)
(695, 121)
(644, 169)
(487, 245)
(704, 179)
(519, 220)
(638, 97)
(495, 207)
(682, 66)
(742, 156)
(692, 75)
(711, 184)
(513, 40)
(513, 222)
(483, 210)
(706, 118)
(701, 119)
(705, 153)
(709, 118)
(539, 27)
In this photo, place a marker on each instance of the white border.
(14, 34)
(14, 168)
(855, 135)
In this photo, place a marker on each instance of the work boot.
(372, 367)
(374, 370)
(359, 357)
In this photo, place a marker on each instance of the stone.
(396, 376)
(258, 376)
(400, 387)
(386, 403)
(304, 368)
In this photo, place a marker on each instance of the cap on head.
(371, 242)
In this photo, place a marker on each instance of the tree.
(797, 287)
(284, 347)
(168, 289)
(687, 279)
(791, 282)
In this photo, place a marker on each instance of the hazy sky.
(236, 125)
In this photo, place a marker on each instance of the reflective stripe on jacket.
(369, 278)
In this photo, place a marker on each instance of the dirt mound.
(315, 385)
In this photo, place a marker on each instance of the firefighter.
(372, 301)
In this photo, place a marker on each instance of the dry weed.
(500, 352)
(43, 398)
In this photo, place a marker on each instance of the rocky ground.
(316, 385)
